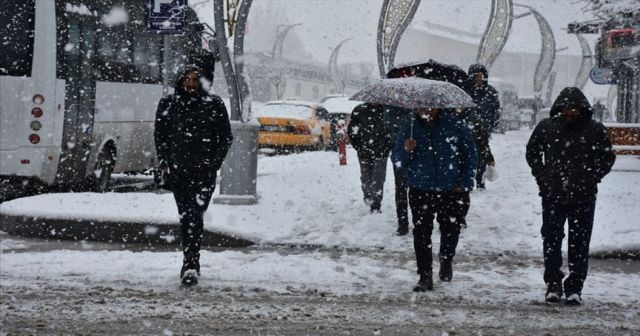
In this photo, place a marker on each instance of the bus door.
(77, 60)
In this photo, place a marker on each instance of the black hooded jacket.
(568, 159)
(487, 102)
(367, 132)
(192, 132)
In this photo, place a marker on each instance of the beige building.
(453, 46)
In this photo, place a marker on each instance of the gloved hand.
(410, 145)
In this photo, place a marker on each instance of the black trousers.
(192, 199)
(373, 172)
(401, 191)
(580, 222)
(449, 207)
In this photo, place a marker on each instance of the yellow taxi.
(293, 125)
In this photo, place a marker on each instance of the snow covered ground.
(310, 199)
(361, 287)
(292, 292)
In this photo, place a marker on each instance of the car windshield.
(285, 111)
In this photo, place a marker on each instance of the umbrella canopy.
(414, 93)
(431, 70)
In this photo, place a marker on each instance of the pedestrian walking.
(487, 111)
(439, 156)
(192, 137)
(569, 154)
(481, 141)
(369, 137)
(394, 118)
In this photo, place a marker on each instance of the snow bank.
(310, 199)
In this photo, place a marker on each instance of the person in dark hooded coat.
(369, 137)
(569, 154)
(192, 137)
(487, 112)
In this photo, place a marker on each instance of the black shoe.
(446, 271)
(573, 300)
(480, 186)
(554, 293)
(424, 284)
(402, 231)
(190, 278)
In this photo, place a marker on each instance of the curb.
(112, 232)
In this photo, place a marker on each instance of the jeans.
(580, 222)
(449, 209)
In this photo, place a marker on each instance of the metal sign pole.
(165, 61)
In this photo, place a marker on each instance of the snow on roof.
(340, 104)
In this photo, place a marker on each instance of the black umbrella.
(431, 70)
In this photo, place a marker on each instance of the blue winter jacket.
(445, 157)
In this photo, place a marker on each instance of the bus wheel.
(104, 167)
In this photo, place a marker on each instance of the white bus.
(79, 84)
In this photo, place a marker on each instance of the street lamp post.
(338, 81)
(497, 31)
(279, 81)
(394, 19)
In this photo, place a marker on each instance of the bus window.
(147, 56)
(16, 44)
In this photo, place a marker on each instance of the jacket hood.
(475, 68)
(177, 85)
(571, 96)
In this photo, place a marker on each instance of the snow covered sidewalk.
(309, 199)
(296, 293)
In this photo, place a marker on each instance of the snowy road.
(94, 288)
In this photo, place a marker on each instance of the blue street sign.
(166, 16)
(603, 76)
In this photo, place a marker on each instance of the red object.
(303, 130)
(34, 138)
(25, 161)
(36, 112)
(621, 37)
(342, 152)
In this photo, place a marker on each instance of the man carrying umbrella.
(440, 160)
(439, 156)
(395, 117)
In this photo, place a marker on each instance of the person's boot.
(554, 292)
(425, 283)
(402, 230)
(375, 209)
(573, 299)
(190, 269)
(480, 185)
(189, 278)
(446, 270)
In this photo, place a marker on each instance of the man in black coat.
(487, 110)
(192, 137)
(369, 137)
(569, 154)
